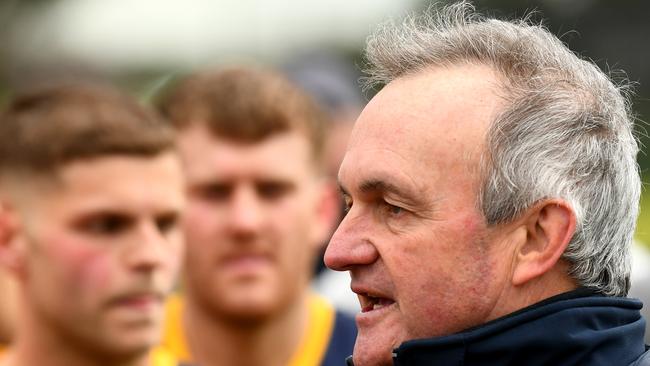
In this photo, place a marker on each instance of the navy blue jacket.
(341, 341)
(575, 328)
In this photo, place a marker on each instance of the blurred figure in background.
(91, 190)
(7, 309)
(640, 281)
(331, 81)
(259, 207)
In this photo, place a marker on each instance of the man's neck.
(215, 341)
(15, 357)
(27, 353)
(40, 344)
(554, 282)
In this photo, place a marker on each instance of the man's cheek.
(87, 267)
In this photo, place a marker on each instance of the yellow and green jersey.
(328, 340)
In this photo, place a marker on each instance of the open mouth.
(371, 303)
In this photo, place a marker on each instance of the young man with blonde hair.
(258, 210)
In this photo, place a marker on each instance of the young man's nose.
(245, 211)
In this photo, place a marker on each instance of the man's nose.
(246, 212)
(351, 245)
(152, 248)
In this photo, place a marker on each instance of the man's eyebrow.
(375, 186)
(342, 190)
(379, 186)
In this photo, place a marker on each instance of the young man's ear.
(11, 251)
(549, 227)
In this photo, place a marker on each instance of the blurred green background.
(142, 44)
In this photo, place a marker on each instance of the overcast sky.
(187, 33)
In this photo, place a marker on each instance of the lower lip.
(372, 316)
(139, 302)
(246, 264)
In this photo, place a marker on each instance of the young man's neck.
(41, 344)
(213, 341)
(40, 352)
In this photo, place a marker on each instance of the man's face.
(103, 246)
(420, 256)
(255, 218)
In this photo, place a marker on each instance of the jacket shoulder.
(644, 360)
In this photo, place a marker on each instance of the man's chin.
(372, 357)
(125, 347)
(136, 341)
(374, 349)
(250, 314)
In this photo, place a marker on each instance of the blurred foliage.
(643, 223)
(614, 34)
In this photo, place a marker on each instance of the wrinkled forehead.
(426, 131)
(439, 114)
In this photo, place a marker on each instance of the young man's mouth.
(142, 300)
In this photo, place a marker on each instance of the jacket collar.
(578, 327)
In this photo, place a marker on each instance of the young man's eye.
(273, 190)
(213, 192)
(106, 224)
(167, 222)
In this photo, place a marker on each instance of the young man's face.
(256, 214)
(101, 250)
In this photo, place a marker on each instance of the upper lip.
(153, 295)
(368, 296)
(243, 254)
(361, 289)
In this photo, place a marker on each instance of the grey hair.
(566, 131)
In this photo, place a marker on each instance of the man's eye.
(167, 223)
(392, 209)
(213, 192)
(106, 224)
(347, 203)
(273, 190)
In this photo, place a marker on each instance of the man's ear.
(11, 250)
(549, 225)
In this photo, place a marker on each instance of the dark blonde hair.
(42, 129)
(245, 104)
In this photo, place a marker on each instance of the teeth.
(370, 303)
